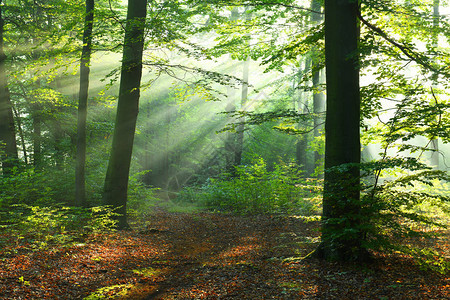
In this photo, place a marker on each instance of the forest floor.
(210, 256)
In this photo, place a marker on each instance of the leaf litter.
(211, 256)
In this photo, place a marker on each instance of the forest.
(240, 149)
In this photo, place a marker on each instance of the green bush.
(41, 227)
(255, 190)
(394, 214)
(25, 187)
(141, 198)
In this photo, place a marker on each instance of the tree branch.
(404, 49)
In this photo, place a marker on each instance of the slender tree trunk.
(21, 135)
(318, 96)
(80, 169)
(8, 146)
(165, 172)
(241, 128)
(341, 235)
(58, 138)
(302, 140)
(37, 137)
(435, 142)
(319, 109)
(230, 138)
(116, 182)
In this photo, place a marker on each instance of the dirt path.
(231, 257)
(217, 256)
(210, 256)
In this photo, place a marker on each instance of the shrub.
(255, 190)
(41, 227)
(392, 217)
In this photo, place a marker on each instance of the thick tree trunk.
(80, 169)
(8, 146)
(116, 182)
(341, 235)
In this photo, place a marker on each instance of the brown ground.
(210, 256)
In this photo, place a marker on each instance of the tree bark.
(80, 169)
(8, 149)
(301, 146)
(318, 96)
(241, 128)
(341, 235)
(434, 159)
(116, 182)
(37, 137)
(21, 135)
(230, 137)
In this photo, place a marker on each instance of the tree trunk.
(230, 137)
(318, 96)
(434, 160)
(341, 234)
(21, 135)
(80, 169)
(8, 148)
(58, 138)
(240, 129)
(116, 181)
(302, 139)
(37, 138)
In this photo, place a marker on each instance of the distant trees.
(8, 146)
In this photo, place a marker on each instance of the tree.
(7, 128)
(301, 147)
(239, 143)
(341, 238)
(116, 181)
(318, 96)
(435, 142)
(240, 130)
(80, 183)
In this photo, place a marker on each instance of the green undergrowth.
(42, 227)
(404, 207)
(254, 189)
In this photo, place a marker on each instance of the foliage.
(391, 213)
(40, 227)
(395, 215)
(255, 190)
(26, 187)
(141, 198)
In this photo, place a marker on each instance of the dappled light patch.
(241, 250)
(110, 292)
(147, 272)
